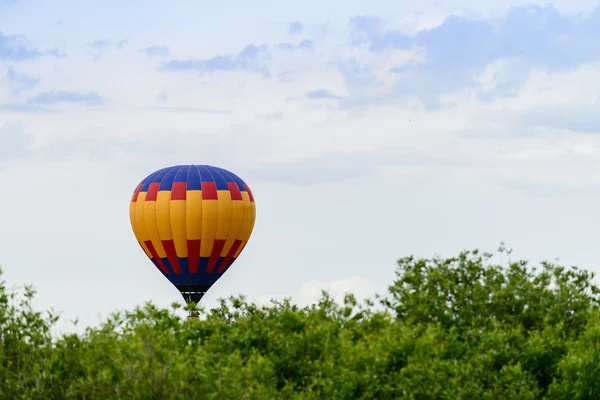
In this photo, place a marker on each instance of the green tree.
(452, 328)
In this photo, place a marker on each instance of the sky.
(367, 131)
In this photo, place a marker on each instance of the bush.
(454, 328)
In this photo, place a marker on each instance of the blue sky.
(367, 130)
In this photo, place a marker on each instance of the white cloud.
(311, 292)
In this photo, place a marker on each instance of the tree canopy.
(447, 328)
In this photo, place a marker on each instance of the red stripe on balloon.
(193, 247)
(172, 255)
(229, 255)
(155, 256)
(214, 255)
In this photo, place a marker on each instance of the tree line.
(447, 328)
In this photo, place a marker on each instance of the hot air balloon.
(192, 221)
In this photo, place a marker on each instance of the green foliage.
(455, 328)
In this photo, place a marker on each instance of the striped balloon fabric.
(192, 221)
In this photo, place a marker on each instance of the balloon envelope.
(192, 221)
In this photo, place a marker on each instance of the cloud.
(40, 102)
(365, 29)
(274, 116)
(163, 95)
(23, 108)
(330, 166)
(250, 59)
(21, 82)
(303, 45)
(100, 47)
(99, 44)
(56, 53)
(460, 48)
(14, 48)
(316, 170)
(311, 292)
(295, 27)
(321, 94)
(55, 97)
(576, 118)
(535, 33)
(157, 51)
(363, 84)
(190, 110)
(14, 142)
